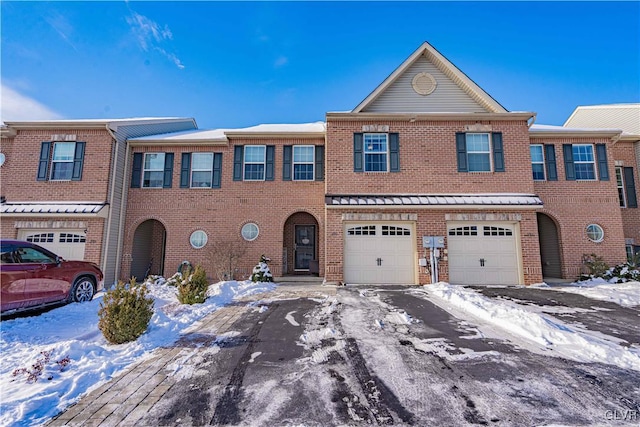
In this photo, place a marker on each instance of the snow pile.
(565, 340)
(72, 330)
(626, 294)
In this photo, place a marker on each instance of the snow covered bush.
(125, 312)
(595, 265)
(261, 272)
(192, 288)
(618, 274)
(622, 273)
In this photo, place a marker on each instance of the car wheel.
(82, 290)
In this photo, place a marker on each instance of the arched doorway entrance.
(300, 252)
(549, 247)
(148, 249)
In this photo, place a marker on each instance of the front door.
(305, 248)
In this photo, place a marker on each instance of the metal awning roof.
(434, 200)
(58, 209)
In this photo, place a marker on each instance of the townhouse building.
(427, 173)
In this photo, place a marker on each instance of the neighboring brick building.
(428, 159)
(62, 184)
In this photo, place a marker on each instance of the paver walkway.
(124, 400)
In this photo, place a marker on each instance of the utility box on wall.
(433, 242)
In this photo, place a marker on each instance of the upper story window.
(625, 181)
(253, 162)
(152, 170)
(620, 182)
(584, 161)
(376, 152)
(537, 162)
(479, 152)
(303, 162)
(61, 161)
(201, 170)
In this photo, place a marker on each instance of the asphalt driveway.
(366, 356)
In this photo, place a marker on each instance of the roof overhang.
(178, 142)
(58, 210)
(435, 201)
(574, 133)
(112, 124)
(411, 117)
(271, 135)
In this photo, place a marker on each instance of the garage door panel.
(379, 253)
(483, 254)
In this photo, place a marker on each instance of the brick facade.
(624, 154)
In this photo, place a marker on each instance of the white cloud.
(15, 106)
(281, 62)
(151, 35)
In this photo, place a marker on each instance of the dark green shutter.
(357, 152)
(287, 151)
(569, 169)
(136, 170)
(268, 167)
(319, 163)
(78, 160)
(394, 152)
(168, 170)
(550, 160)
(217, 170)
(43, 164)
(630, 188)
(185, 170)
(603, 164)
(238, 152)
(498, 152)
(461, 150)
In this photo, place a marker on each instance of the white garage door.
(69, 244)
(484, 253)
(379, 253)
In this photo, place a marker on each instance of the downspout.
(531, 120)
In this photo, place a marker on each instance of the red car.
(33, 277)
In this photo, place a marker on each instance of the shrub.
(223, 257)
(595, 265)
(125, 312)
(192, 288)
(261, 272)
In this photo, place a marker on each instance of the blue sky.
(236, 64)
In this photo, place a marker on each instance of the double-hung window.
(61, 161)
(153, 170)
(303, 162)
(201, 170)
(376, 149)
(480, 152)
(254, 162)
(620, 183)
(537, 161)
(584, 161)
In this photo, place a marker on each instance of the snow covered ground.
(72, 332)
(540, 332)
(382, 330)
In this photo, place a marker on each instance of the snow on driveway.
(625, 294)
(72, 331)
(550, 335)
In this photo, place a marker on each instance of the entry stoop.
(299, 280)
